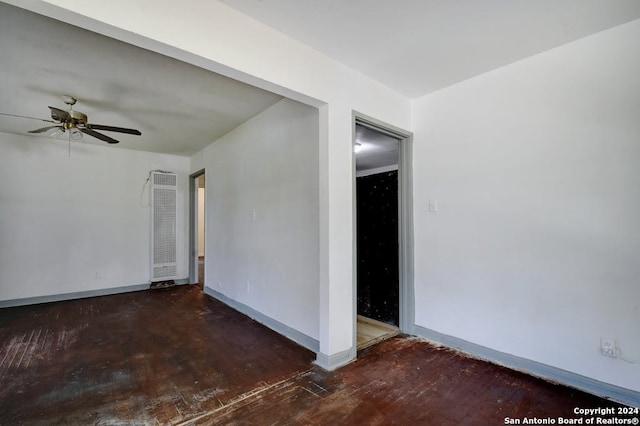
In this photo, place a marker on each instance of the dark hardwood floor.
(201, 271)
(175, 356)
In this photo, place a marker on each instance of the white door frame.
(193, 226)
(405, 221)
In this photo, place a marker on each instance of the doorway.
(383, 261)
(197, 198)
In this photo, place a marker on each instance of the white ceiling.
(413, 46)
(374, 149)
(179, 108)
(419, 46)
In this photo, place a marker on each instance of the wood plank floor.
(175, 356)
(201, 271)
(371, 332)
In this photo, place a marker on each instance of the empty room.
(319, 212)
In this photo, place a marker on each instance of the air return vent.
(164, 192)
(165, 179)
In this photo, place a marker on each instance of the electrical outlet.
(608, 347)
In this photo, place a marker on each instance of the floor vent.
(164, 194)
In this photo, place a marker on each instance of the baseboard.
(534, 368)
(288, 332)
(70, 296)
(332, 362)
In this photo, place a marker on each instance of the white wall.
(536, 169)
(262, 220)
(74, 224)
(214, 36)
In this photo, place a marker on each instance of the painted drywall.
(79, 223)
(534, 248)
(216, 37)
(201, 204)
(262, 220)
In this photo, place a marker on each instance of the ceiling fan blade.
(24, 116)
(114, 129)
(97, 135)
(59, 114)
(44, 129)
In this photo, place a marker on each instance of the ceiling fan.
(76, 123)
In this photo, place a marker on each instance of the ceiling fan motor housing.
(70, 117)
(78, 117)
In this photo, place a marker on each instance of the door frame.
(405, 221)
(193, 226)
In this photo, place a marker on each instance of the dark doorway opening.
(377, 233)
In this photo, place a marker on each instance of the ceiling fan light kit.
(75, 134)
(56, 132)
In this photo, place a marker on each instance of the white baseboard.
(81, 294)
(332, 362)
(71, 296)
(288, 332)
(567, 378)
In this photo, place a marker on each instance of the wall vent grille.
(164, 188)
(167, 179)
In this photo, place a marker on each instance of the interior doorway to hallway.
(197, 197)
(383, 268)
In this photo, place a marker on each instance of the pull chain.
(69, 130)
